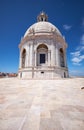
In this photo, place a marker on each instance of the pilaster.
(31, 54)
(20, 60)
(52, 55)
(65, 59)
(35, 55)
(57, 57)
(49, 59)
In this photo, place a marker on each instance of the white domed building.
(42, 51)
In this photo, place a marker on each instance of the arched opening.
(62, 64)
(64, 75)
(42, 55)
(41, 19)
(23, 58)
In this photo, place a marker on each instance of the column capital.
(49, 51)
(35, 51)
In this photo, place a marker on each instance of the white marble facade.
(42, 51)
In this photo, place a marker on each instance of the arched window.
(23, 58)
(62, 64)
(42, 55)
(41, 19)
(64, 75)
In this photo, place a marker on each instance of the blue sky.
(17, 15)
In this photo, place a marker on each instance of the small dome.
(42, 27)
(42, 17)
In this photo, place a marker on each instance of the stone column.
(31, 54)
(26, 59)
(28, 55)
(49, 58)
(20, 60)
(52, 55)
(65, 59)
(35, 58)
(57, 57)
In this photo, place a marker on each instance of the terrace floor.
(41, 104)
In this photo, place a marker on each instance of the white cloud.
(78, 59)
(67, 27)
(82, 57)
(81, 48)
(77, 53)
(78, 56)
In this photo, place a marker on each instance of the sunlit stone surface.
(41, 104)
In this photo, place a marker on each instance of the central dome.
(42, 27)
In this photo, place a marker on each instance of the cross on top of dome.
(42, 17)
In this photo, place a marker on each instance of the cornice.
(48, 36)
